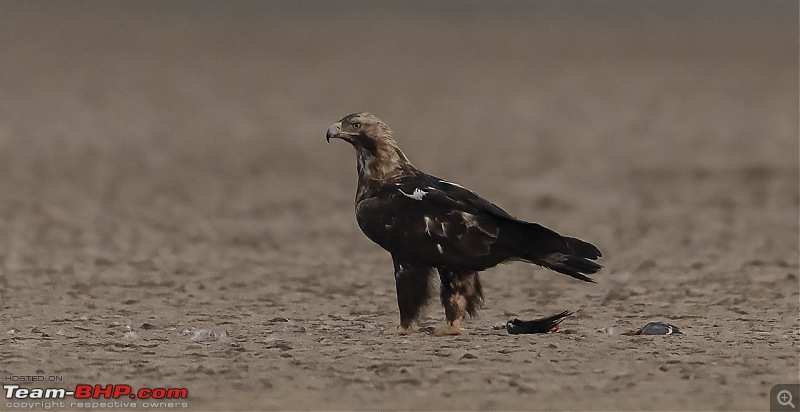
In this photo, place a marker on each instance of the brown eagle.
(428, 224)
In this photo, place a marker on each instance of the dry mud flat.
(167, 167)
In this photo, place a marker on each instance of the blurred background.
(171, 155)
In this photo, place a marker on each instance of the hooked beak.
(333, 131)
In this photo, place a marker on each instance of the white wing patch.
(434, 228)
(417, 195)
(439, 246)
(471, 221)
(428, 225)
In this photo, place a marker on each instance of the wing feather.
(439, 223)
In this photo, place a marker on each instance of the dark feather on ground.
(541, 325)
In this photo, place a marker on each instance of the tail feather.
(570, 256)
(583, 249)
(575, 266)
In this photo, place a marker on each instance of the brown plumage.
(428, 224)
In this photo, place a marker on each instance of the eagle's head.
(359, 129)
(379, 157)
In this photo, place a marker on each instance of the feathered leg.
(413, 292)
(461, 293)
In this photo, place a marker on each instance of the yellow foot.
(399, 330)
(449, 330)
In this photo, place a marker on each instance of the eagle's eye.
(356, 125)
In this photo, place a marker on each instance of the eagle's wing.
(530, 241)
(418, 220)
(466, 197)
(428, 220)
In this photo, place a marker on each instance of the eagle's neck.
(380, 165)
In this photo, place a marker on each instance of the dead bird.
(542, 325)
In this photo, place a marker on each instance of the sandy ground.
(167, 166)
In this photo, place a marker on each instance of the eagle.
(431, 225)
